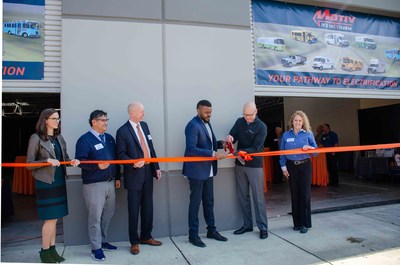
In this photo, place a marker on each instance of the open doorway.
(271, 112)
(345, 118)
(20, 112)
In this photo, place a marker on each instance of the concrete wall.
(168, 54)
(171, 203)
(110, 59)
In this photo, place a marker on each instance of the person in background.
(278, 132)
(48, 145)
(277, 177)
(318, 135)
(330, 139)
(201, 141)
(135, 142)
(99, 181)
(396, 156)
(297, 168)
(250, 133)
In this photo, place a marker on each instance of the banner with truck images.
(307, 46)
(23, 40)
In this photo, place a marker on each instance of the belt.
(299, 162)
(110, 179)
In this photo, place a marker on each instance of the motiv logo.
(324, 19)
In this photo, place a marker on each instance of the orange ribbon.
(243, 154)
(131, 161)
(328, 149)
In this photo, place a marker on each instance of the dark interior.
(19, 115)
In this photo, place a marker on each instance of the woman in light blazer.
(47, 145)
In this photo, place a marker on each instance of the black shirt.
(250, 138)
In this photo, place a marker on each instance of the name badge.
(149, 137)
(99, 146)
(289, 140)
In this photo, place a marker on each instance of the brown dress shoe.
(135, 249)
(151, 242)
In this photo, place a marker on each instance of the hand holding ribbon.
(244, 155)
(231, 150)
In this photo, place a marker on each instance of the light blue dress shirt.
(290, 140)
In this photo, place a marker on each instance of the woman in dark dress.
(47, 145)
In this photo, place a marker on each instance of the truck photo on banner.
(23, 40)
(306, 46)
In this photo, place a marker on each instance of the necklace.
(51, 140)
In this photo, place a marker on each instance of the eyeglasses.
(103, 120)
(249, 115)
(55, 119)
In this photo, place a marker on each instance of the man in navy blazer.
(138, 178)
(201, 141)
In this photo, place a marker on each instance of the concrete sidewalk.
(359, 236)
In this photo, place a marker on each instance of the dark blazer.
(128, 147)
(198, 143)
(39, 151)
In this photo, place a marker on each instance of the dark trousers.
(141, 201)
(300, 189)
(332, 164)
(201, 191)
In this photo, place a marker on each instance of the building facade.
(169, 54)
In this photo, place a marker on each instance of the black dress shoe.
(263, 234)
(216, 236)
(197, 242)
(243, 230)
(303, 229)
(296, 228)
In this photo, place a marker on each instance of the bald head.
(133, 105)
(136, 111)
(250, 111)
(251, 106)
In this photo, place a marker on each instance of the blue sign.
(23, 40)
(299, 45)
